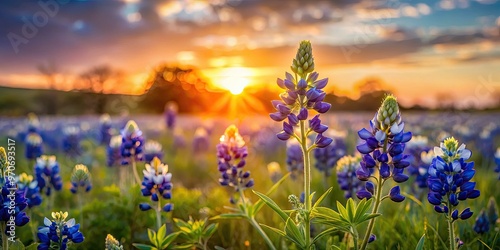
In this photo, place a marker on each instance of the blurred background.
(133, 56)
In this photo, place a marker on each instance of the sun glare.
(234, 79)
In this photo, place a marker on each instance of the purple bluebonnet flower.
(327, 157)
(492, 212)
(449, 179)
(420, 158)
(382, 147)
(81, 178)
(179, 140)
(113, 151)
(346, 175)
(201, 142)
(157, 185)
(497, 162)
(58, 233)
(30, 188)
(16, 210)
(33, 146)
(372, 238)
(47, 174)
(71, 141)
(231, 154)
(132, 143)
(152, 149)
(301, 95)
(482, 224)
(294, 159)
(171, 109)
(105, 129)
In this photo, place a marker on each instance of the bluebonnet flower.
(47, 174)
(497, 162)
(71, 141)
(112, 244)
(382, 148)
(113, 151)
(294, 159)
(33, 146)
(16, 210)
(157, 184)
(171, 109)
(372, 238)
(420, 157)
(33, 123)
(58, 233)
(104, 129)
(81, 178)
(346, 175)
(152, 149)
(231, 154)
(302, 94)
(132, 143)
(482, 224)
(179, 140)
(449, 179)
(492, 212)
(327, 157)
(201, 142)
(30, 188)
(274, 171)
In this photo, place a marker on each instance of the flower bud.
(112, 243)
(304, 61)
(388, 113)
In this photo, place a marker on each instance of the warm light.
(234, 79)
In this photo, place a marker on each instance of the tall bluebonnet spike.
(113, 151)
(449, 176)
(105, 129)
(157, 182)
(152, 149)
(346, 176)
(482, 224)
(57, 233)
(327, 157)
(12, 204)
(294, 159)
(171, 109)
(492, 211)
(71, 141)
(33, 146)
(132, 143)
(47, 174)
(29, 187)
(231, 154)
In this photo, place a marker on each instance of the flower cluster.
(58, 233)
(420, 157)
(113, 151)
(81, 178)
(171, 109)
(497, 162)
(382, 148)
(30, 188)
(152, 149)
(231, 154)
(112, 244)
(449, 179)
(71, 141)
(47, 174)
(302, 94)
(12, 205)
(482, 224)
(346, 175)
(157, 183)
(294, 159)
(132, 143)
(33, 146)
(327, 157)
(487, 220)
(104, 129)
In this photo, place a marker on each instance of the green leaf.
(322, 197)
(210, 230)
(180, 223)
(169, 239)
(160, 236)
(272, 205)
(351, 209)
(274, 230)
(228, 217)
(259, 204)
(16, 245)
(219, 248)
(32, 246)
(326, 232)
(184, 246)
(152, 237)
(294, 234)
(342, 211)
(144, 247)
(420, 245)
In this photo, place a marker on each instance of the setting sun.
(234, 79)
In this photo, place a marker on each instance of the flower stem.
(158, 214)
(32, 224)
(80, 206)
(136, 175)
(371, 224)
(307, 183)
(5, 241)
(450, 228)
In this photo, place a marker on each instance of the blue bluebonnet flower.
(81, 178)
(382, 147)
(152, 149)
(132, 143)
(33, 146)
(294, 159)
(47, 174)
(420, 157)
(274, 171)
(113, 151)
(492, 212)
(171, 109)
(112, 244)
(372, 238)
(29, 187)
(33, 123)
(201, 142)
(58, 233)
(71, 141)
(449, 179)
(16, 210)
(327, 157)
(497, 162)
(302, 94)
(482, 224)
(346, 175)
(231, 154)
(105, 129)
(157, 184)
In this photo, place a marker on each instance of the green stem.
(80, 206)
(158, 214)
(136, 175)
(32, 223)
(262, 233)
(307, 182)
(355, 237)
(451, 230)
(5, 241)
(371, 224)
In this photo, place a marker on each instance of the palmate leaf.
(328, 216)
(268, 201)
